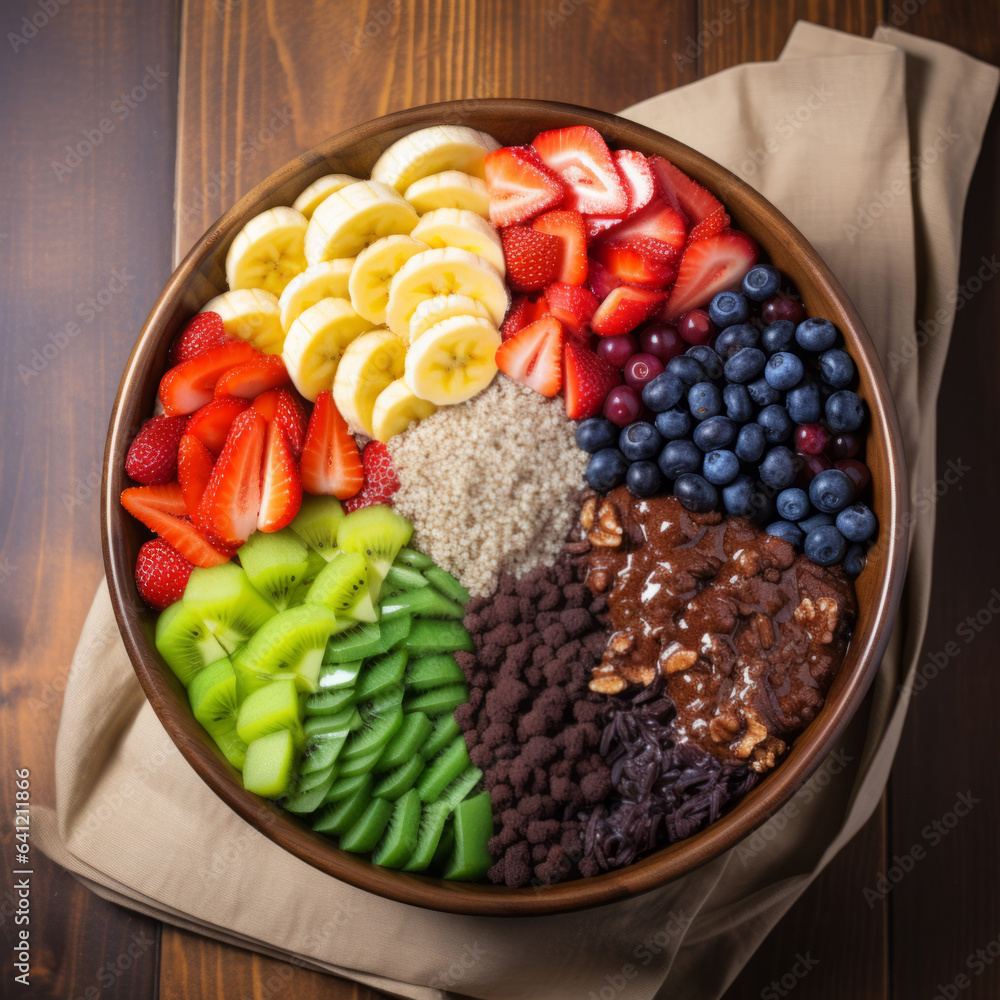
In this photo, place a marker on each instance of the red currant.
(858, 472)
(844, 446)
(811, 439)
(811, 466)
(662, 341)
(642, 368)
(617, 349)
(782, 306)
(622, 405)
(695, 327)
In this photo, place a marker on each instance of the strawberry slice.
(572, 305)
(200, 334)
(381, 480)
(520, 185)
(640, 187)
(711, 225)
(331, 463)
(633, 267)
(709, 267)
(657, 230)
(597, 224)
(532, 257)
(602, 282)
(161, 573)
(533, 357)
(190, 385)
(624, 309)
(194, 469)
(152, 455)
(581, 158)
(588, 379)
(210, 425)
(284, 406)
(686, 195)
(523, 311)
(568, 227)
(266, 371)
(280, 483)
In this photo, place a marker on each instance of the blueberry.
(793, 504)
(606, 469)
(784, 370)
(740, 497)
(734, 338)
(640, 441)
(695, 493)
(857, 523)
(804, 403)
(836, 368)
(778, 336)
(746, 364)
(815, 521)
(790, 532)
(704, 400)
(674, 423)
(844, 411)
(815, 334)
(831, 490)
(707, 358)
(663, 392)
(750, 443)
(679, 457)
(644, 479)
(728, 308)
(716, 432)
(596, 433)
(778, 467)
(762, 393)
(720, 467)
(825, 546)
(776, 422)
(854, 561)
(739, 405)
(687, 369)
(761, 282)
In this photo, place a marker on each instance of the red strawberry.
(581, 158)
(520, 185)
(597, 224)
(587, 380)
(572, 305)
(191, 384)
(211, 423)
(657, 230)
(167, 498)
(161, 573)
(194, 469)
(708, 267)
(202, 333)
(533, 357)
(632, 267)
(640, 187)
(601, 280)
(532, 257)
(381, 480)
(284, 406)
(331, 464)
(711, 225)
(523, 312)
(686, 195)
(266, 371)
(280, 484)
(152, 455)
(624, 309)
(162, 510)
(568, 226)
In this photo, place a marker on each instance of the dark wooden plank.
(84, 249)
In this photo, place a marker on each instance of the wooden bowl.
(202, 275)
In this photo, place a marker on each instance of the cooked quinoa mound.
(491, 485)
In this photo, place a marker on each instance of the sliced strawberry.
(152, 455)
(285, 406)
(523, 311)
(210, 425)
(266, 371)
(711, 225)
(581, 159)
(191, 384)
(161, 573)
(520, 185)
(601, 280)
(381, 480)
(202, 333)
(632, 267)
(640, 187)
(624, 309)
(280, 483)
(194, 469)
(331, 463)
(568, 227)
(657, 230)
(534, 356)
(709, 267)
(162, 510)
(532, 257)
(167, 498)
(686, 195)
(587, 380)
(572, 305)
(597, 224)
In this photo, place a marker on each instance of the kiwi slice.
(308, 800)
(445, 731)
(443, 769)
(329, 702)
(275, 563)
(339, 676)
(381, 718)
(340, 816)
(438, 701)
(400, 779)
(400, 837)
(444, 847)
(213, 701)
(407, 742)
(270, 764)
(343, 787)
(315, 563)
(317, 523)
(367, 830)
(324, 743)
(378, 533)
(433, 671)
(344, 722)
(442, 580)
(433, 818)
(367, 639)
(310, 782)
(424, 603)
(400, 579)
(470, 858)
(269, 709)
(413, 559)
(381, 673)
(185, 642)
(361, 764)
(227, 602)
(461, 787)
(342, 586)
(427, 637)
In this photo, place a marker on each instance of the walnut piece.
(766, 754)
(682, 659)
(607, 518)
(604, 680)
(621, 642)
(819, 617)
(588, 513)
(755, 732)
(724, 726)
(604, 539)
(608, 533)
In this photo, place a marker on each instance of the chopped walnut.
(621, 642)
(683, 659)
(724, 726)
(607, 518)
(588, 513)
(608, 533)
(819, 617)
(604, 680)
(598, 580)
(765, 630)
(755, 732)
(604, 539)
(766, 754)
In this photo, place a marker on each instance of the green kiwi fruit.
(365, 833)
(307, 800)
(342, 586)
(213, 700)
(339, 676)
(424, 603)
(314, 565)
(443, 769)
(270, 764)
(329, 702)
(340, 814)
(381, 718)
(413, 559)
(445, 731)
(378, 533)
(400, 579)
(442, 580)
(317, 522)
(270, 708)
(437, 701)
(444, 847)
(470, 858)
(412, 735)
(361, 764)
(427, 636)
(185, 642)
(380, 673)
(275, 562)
(433, 671)
(367, 639)
(401, 779)
(343, 787)
(228, 603)
(433, 818)
(400, 837)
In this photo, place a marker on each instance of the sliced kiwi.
(341, 815)
(361, 764)
(470, 858)
(213, 701)
(228, 603)
(325, 738)
(443, 769)
(381, 673)
(445, 731)
(367, 830)
(433, 671)
(381, 718)
(275, 563)
(317, 523)
(270, 708)
(342, 585)
(400, 837)
(413, 559)
(444, 847)
(424, 603)
(315, 563)
(412, 735)
(447, 584)
(378, 533)
(339, 676)
(461, 787)
(329, 702)
(433, 818)
(437, 701)
(185, 642)
(345, 721)
(308, 800)
(367, 639)
(400, 579)
(313, 780)
(426, 637)
(400, 779)
(343, 787)
(270, 764)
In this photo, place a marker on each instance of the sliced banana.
(445, 271)
(453, 360)
(369, 364)
(396, 408)
(455, 227)
(355, 217)
(431, 311)
(251, 314)
(432, 150)
(373, 270)
(268, 251)
(325, 280)
(320, 190)
(450, 189)
(317, 341)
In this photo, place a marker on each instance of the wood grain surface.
(245, 85)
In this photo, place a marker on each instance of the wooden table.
(115, 112)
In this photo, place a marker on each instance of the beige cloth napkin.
(868, 146)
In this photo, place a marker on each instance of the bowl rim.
(659, 868)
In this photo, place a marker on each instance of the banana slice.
(355, 217)
(445, 271)
(449, 189)
(317, 341)
(431, 311)
(431, 150)
(369, 364)
(325, 280)
(373, 270)
(455, 227)
(396, 408)
(268, 251)
(251, 314)
(320, 190)
(453, 360)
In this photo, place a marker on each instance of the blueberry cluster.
(744, 426)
